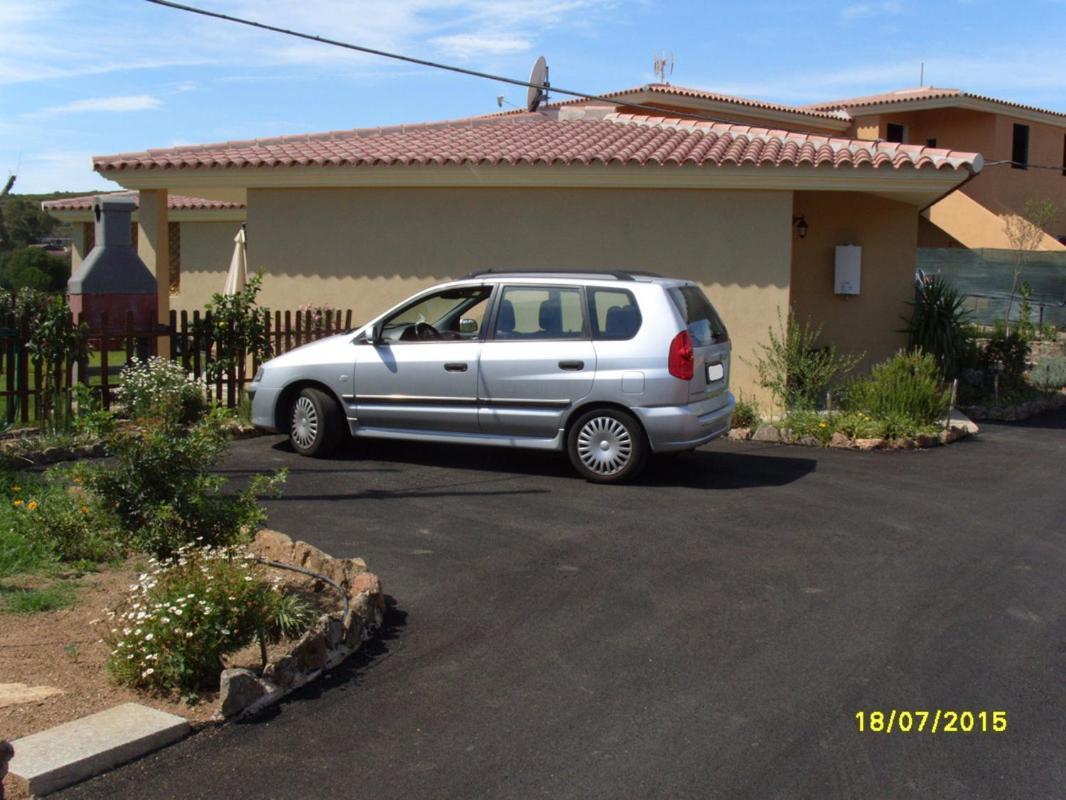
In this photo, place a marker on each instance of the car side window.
(540, 312)
(614, 313)
(450, 315)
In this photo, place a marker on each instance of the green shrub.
(91, 421)
(162, 489)
(746, 414)
(52, 519)
(161, 388)
(1049, 374)
(238, 327)
(795, 369)
(810, 423)
(185, 614)
(1008, 355)
(939, 325)
(857, 425)
(906, 389)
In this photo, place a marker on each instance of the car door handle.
(572, 365)
(455, 366)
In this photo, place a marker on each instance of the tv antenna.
(663, 65)
(538, 91)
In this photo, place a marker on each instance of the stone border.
(1041, 405)
(329, 641)
(769, 433)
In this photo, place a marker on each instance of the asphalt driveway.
(710, 632)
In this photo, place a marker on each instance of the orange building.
(1024, 147)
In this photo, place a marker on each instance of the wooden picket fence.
(186, 339)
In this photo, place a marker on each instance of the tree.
(1025, 231)
(34, 268)
(26, 222)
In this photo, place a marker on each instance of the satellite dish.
(538, 91)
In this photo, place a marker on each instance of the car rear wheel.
(316, 426)
(607, 446)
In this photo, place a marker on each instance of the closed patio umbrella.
(237, 276)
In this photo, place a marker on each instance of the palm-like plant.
(938, 324)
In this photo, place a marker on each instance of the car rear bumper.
(263, 401)
(672, 428)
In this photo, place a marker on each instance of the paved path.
(708, 633)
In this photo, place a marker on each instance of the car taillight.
(680, 359)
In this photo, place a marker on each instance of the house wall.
(1000, 189)
(369, 248)
(206, 249)
(867, 323)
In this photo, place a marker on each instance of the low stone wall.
(1018, 412)
(329, 641)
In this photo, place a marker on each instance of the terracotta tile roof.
(175, 202)
(917, 95)
(579, 135)
(667, 90)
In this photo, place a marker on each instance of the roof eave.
(904, 181)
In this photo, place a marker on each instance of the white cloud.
(872, 9)
(34, 35)
(472, 45)
(137, 102)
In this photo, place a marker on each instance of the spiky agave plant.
(938, 324)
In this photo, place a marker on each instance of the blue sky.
(83, 78)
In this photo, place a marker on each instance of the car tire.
(606, 445)
(316, 425)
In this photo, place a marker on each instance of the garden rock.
(904, 443)
(7, 752)
(740, 434)
(767, 433)
(311, 651)
(839, 439)
(867, 445)
(927, 440)
(332, 628)
(273, 545)
(808, 441)
(238, 689)
(283, 672)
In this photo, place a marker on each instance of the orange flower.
(18, 503)
(32, 505)
(84, 509)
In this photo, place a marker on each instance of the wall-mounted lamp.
(801, 226)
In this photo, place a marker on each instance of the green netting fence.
(984, 277)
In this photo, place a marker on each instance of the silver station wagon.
(608, 366)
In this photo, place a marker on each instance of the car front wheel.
(607, 446)
(315, 424)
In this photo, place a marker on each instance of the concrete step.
(60, 756)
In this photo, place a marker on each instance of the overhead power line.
(436, 65)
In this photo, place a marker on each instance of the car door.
(536, 361)
(422, 373)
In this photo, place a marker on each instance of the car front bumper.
(671, 428)
(263, 400)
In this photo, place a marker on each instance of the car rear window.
(703, 323)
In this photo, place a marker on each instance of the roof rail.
(617, 274)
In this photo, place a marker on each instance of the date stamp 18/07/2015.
(937, 720)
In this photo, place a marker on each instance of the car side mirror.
(467, 325)
(371, 335)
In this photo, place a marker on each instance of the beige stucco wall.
(887, 231)
(368, 248)
(206, 249)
